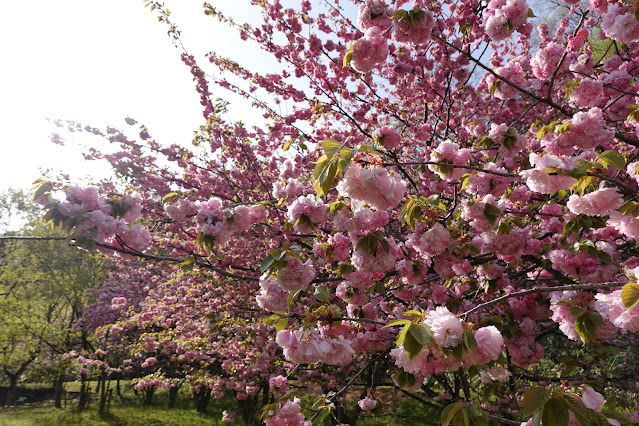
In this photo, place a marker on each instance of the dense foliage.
(449, 207)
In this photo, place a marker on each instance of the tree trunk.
(173, 395)
(12, 393)
(202, 397)
(148, 395)
(248, 409)
(84, 394)
(103, 393)
(59, 389)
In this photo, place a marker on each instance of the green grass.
(128, 411)
(397, 410)
(119, 415)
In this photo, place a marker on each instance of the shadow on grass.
(112, 419)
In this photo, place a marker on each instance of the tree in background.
(43, 294)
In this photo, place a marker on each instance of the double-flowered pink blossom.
(213, 220)
(541, 181)
(307, 346)
(370, 50)
(598, 203)
(588, 93)
(430, 242)
(387, 136)
(449, 153)
(546, 60)
(287, 414)
(367, 404)
(505, 16)
(374, 13)
(272, 297)
(306, 212)
(415, 29)
(447, 328)
(296, 275)
(489, 342)
(378, 188)
(612, 308)
(620, 23)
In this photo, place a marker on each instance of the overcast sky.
(96, 63)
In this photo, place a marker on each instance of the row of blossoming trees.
(472, 244)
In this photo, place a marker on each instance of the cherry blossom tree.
(473, 245)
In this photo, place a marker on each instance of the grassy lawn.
(128, 411)
(119, 415)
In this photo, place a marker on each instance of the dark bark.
(59, 389)
(248, 409)
(12, 391)
(173, 392)
(85, 393)
(202, 397)
(148, 395)
(13, 382)
(103, 394)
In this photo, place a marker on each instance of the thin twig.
(590, 286)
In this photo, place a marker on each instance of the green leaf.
(449, 412)
(330, 147)
(405, 380)
(271, 319)
(188, 263)
(458, 352)
(493, 87)
(170, 197)
(630, 295)
(411, 345)
(344, 268)
(510, 139)
(397, 322)
(534, 400)
(281, 324)
(291, 297)
(586, 328)
(402, 335)
(266, 263)
(485, 142)
(582, 185)
(421, 333)
(612, 158)
(347, 58)
(577, 406)
(335, 207)
(40, 187)
(324, 174)
(464, 180)
(322, 293)
(369, 149)
(576, 311)
(555, 413)
(411, 212)
(563, 128)
(415, 314)
(628, 207)
(468, 339)
(491, 213)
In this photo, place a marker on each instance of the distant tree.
(43, 294)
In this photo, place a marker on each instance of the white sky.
(98, 62)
